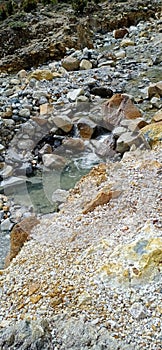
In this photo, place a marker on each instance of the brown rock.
(117, 108)
(41, 74)
(157, 116)
(120, 33)
(103, 197)
(19, 235)
(46, 109)
(155, 90)
(86, 128)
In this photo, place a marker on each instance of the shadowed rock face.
(33, 38)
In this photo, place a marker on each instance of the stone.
(24, 112)
(6, 225)
(46, 109)
(127, 42)
(63, 122)
(133, 125)
(53, 161)
(118, 131)
(155, 90)
(102, 91)
(45, 149)
(120, 54)
(19, 235)
(74, 144)
(120, 33)
(138, 311)
(11, 183)
(157, 117)
(73, 95)
(5, 170)
(85, 64)
(126, 140)
(118, 107)
(25, 144)
(2, 148)
(60, 196)
(42, 74)
(22, 74)
(86, 128)
(103, 197)
(153, 133)
(70, 63)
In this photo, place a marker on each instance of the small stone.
(138, 311)
(127, 42)
(157, 116)
(85, 64)
(70, 63)
(25, 113)
(63, 122)
(120, 33)
(53, 161)
(73, 95)
(42, 74)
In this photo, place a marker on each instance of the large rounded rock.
(70, 63)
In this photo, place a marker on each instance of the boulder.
(53, 161)
(43, 74)
(155, 90)
(157, 117)
(74, 144)
(102, 91)
(153, 133)
(85, 64)
(119, 107)
(60, 196)
(19, 235)
(73, 95)
(86, 128)
(126, 140)
(70, 63)
(63, 122)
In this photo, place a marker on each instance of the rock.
(133, 125)
(6, 225)
(85, 64)
(22, 74)
(26, 144)
(155, 90)
(5, 170)
(46, 109)
(120, 33)
(73, 95)
(42, 74)
(153, 133)
(30, 334)
(103, 197)
(86, 128)
(2, 148)
(19, 235)
(63, 122)
(53, 161)
(70, 63)
(24, 112)
(118, 131)
(102, 91)
(120, 54)
(60, 196)
(127, 42)
(46, 149)
(138, 311)
(84, 35)
(126, 140)
(11, 183)
(157, 116)
(74, 144)
(117, 108)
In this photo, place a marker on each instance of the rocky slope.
(91, 272)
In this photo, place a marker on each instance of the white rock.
(85, 64)
(72, 95)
